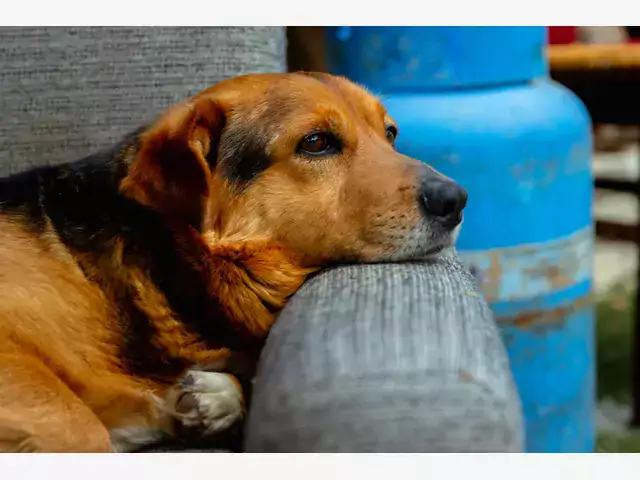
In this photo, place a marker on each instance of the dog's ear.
(172, 171)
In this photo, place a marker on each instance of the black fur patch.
(19, 194)
(243, 155)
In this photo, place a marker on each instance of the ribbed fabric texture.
(386, 358)
(69, 92)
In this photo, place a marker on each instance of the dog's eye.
(392, 133)
(318, 144)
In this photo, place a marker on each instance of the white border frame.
(309, 12)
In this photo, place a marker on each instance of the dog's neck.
(221, 296)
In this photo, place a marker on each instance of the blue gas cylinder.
(476, 103)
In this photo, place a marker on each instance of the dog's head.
(306, 161)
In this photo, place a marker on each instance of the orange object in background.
(562, 35)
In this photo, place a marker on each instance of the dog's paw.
(208, 403)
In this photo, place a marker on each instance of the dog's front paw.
(208, 403)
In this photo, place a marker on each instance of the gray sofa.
(386, 358)
(376, 358)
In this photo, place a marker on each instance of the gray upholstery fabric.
(386, 358)
(67, 92)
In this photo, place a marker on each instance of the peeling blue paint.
(532, 270)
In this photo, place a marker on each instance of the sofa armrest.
(386, 358)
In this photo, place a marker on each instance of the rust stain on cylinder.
(554, 316)
(492, 278)
(558, 276)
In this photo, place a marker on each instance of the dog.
(137, 285)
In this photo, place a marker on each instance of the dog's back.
(55, 344)
(61, 332)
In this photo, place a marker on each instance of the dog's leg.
(203, 408)
(39, 413)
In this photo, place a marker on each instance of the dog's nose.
(443, 199)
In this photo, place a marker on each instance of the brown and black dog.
(136, 285)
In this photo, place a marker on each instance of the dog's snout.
(443, 199)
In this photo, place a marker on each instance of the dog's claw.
(187, 381)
